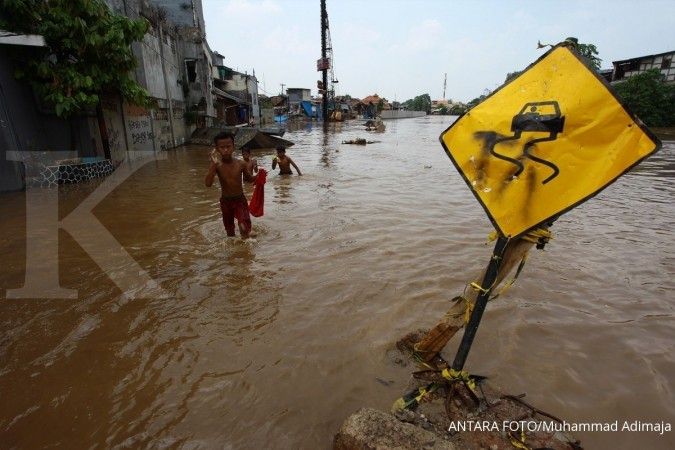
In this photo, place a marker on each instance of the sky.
(400, 49)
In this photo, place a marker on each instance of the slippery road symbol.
(533, 117)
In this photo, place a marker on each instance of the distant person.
(251, 163)
(285, 163)
(230, 172)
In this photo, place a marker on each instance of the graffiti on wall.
(114, 128)
(139, 128)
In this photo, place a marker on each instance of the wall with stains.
(139, 128)
(115, 129)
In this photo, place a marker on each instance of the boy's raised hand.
(216, 157)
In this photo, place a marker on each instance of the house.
(295, 98)
(195, 65)
(297, 95)
(236, 94)
(371, 111)
(606, 74)
(438, 104)
(626, 68)
(174, 65)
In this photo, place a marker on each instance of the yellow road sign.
(545, 142)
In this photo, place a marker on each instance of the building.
(175, 65)
(298, 95)
(196, 64)
(236, 95)
(606, 74)
(626, 68)
(30, 128)
(295, 97)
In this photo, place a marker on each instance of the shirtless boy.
(230, 171)
(284, 162)
(251, 163)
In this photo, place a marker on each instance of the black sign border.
(636, 119)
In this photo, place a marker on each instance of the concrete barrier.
(401, 114)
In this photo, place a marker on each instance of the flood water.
(273, 343)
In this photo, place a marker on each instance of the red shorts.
(235, 208)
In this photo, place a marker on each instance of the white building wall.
(253, 91)
(152, 66)
(665, 63)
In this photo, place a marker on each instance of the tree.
(457, 109)
(511, 75)
(419, 103)
(422, 103)
(88, 51)
(648, 96)
(586, 51)
(476, 101)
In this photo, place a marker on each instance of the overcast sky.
(400, 49)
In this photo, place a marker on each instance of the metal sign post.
(481, 303)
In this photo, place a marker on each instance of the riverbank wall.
(401, 114)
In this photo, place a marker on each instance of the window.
(665, 64)
(191, 70)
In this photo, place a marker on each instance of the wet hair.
(281, 149)
(223, 135)
(245, 149)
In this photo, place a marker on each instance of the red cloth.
(258, 198)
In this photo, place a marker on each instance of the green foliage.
(648, 96)
(88, 51)
(475, 101)
(586, 51)
(457, 109)
(511, 75)
(589, 52)
(419, 103)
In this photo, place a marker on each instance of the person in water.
(251, 163)
(285, 163)
(230, 171)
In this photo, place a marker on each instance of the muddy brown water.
(273, 343)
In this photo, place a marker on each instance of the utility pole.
(324, 27)
(288, 103)
(445, 81)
